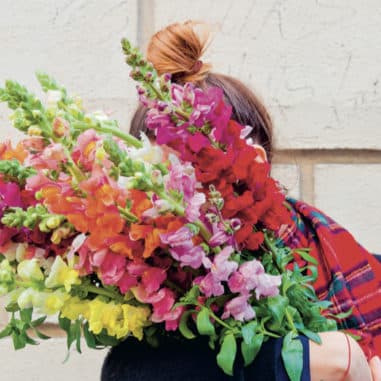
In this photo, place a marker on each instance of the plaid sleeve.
(348, 275)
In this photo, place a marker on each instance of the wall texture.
(316, 64)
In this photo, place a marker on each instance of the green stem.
(290, 321)
(180, 211)
(182, 113)
(73, 168)
(158, 94)
(26, 284)
(272, 249)
(101, 291)
(126, 137)
(266, 332)
(130, 217)
(215, 317)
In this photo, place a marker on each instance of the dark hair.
(177, 49)
(174, 360)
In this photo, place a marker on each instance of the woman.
(177, 49)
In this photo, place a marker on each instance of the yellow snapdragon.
(119, 320)
(48, 303)
(62, 275)
(75, 308)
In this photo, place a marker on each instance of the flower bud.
(61, 233)
(34, 130)
(53, 222)
(28, 298)
(29, 269)
(6, 272)
(60, 127)
(53, 97)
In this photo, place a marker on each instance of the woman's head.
(177, 49)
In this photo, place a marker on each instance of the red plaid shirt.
(348, 275)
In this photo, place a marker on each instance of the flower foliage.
(120, 238)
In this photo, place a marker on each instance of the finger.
(375, 367)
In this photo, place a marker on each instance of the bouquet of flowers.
(117, 236)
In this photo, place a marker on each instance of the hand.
(329, 361)
(375, 367)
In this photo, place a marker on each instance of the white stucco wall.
(316, 63)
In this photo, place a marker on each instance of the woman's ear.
(262, 155)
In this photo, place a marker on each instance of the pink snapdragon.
(220, 270)
(251, 276)
(181, 178)
(85, 149)
(162, 302)
(192, 210)
(50, 157)
(189, 255)
(239, 308)
(177, 238)
(182, 248)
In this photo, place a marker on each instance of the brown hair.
(177, 49)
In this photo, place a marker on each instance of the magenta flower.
(239, 308)
(10, 195)
(197, 142)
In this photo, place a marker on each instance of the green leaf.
(311, 277)
(26, 315)
(107, 340)
(277, 305)
(64, 323)
(75, 335)
(47, 82)
(292, 355)
(183, 326)
(20, 325)
(226, 356)
(12, 307)
(204, 325)
(250, 349)
(304, 253)
(248, 331)
(41, 335)
(6, 331)
(19, 341)
(39, 321)
(29, 340)
(314, 336)
(343, 315)
(89, 337)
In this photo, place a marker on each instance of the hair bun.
(177, 49)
